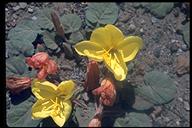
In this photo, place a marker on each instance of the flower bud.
(16, 84)
(92, 77)
(107, 92)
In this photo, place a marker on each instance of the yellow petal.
(102, 37)
(129, 47)
(43, 89)
(115, 33)
(90, 49)
(42, 109)
(116, 65)
(66, 89)
(64, 114)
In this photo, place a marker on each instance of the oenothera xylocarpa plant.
(37, 96)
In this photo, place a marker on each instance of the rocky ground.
(164, 49)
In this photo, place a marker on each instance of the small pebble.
(180, 99)
(15, 16)
(16, 8)
(178, 123)
(6, 9)
(131, 27)
(34, 18)
(186, 106)
(184, 47)
(142, 21)
(30, 10)
(167, 119)
(23, 5)
(157, 52)
(141, 31)
(154, 20)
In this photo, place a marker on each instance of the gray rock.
(154, 20)
(186, 106)
(15, 16)
(141, 31)
(30, 10)
(131, 27)
(23, 5)
(6, 9)
(15, 8)
(180, 99)
(34, 18)
(142, 21)
(157, 52)
(184, 47)
(177, 122)
(166, 119)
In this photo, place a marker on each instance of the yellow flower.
(108, 44)
(52, 100)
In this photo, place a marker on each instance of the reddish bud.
(107, 92)
(51, 67)
(92, 77)
(16, 84)
(42, 62)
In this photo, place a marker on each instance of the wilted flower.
(92, 77)
(106, 91)
(108, 44)
(52, 100)
(42, 62)
(18, 84)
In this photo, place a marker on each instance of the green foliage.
(133, 119)
(22, 36)
(20, 115)
(84, 118)
(16, 66)
(75, 37)
(101, 13)
(71, 23)
(49, 40)
(158, 88)
(44, 19)
(159, 9)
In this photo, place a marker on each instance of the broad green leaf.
(141, 104)
(16, 66)
(101, 13)
(128, 96)
(84, 118)
(75, 37)
(22, 36)
(159, 9)
(158, 88)
(43, 18)
(49, 40)
(20, 115)
(71, 22)
(133, 119)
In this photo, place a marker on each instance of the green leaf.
(43, 18)
(158, 88)
(71, 22)
(141, 104)
(20, 115)
(128, 96)
(84, 118)
(16, 66)
(22, 36)
(101, 13)
(75, 37)
(133, 119)
(185, 31)
(49, 40)
(159, 9)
